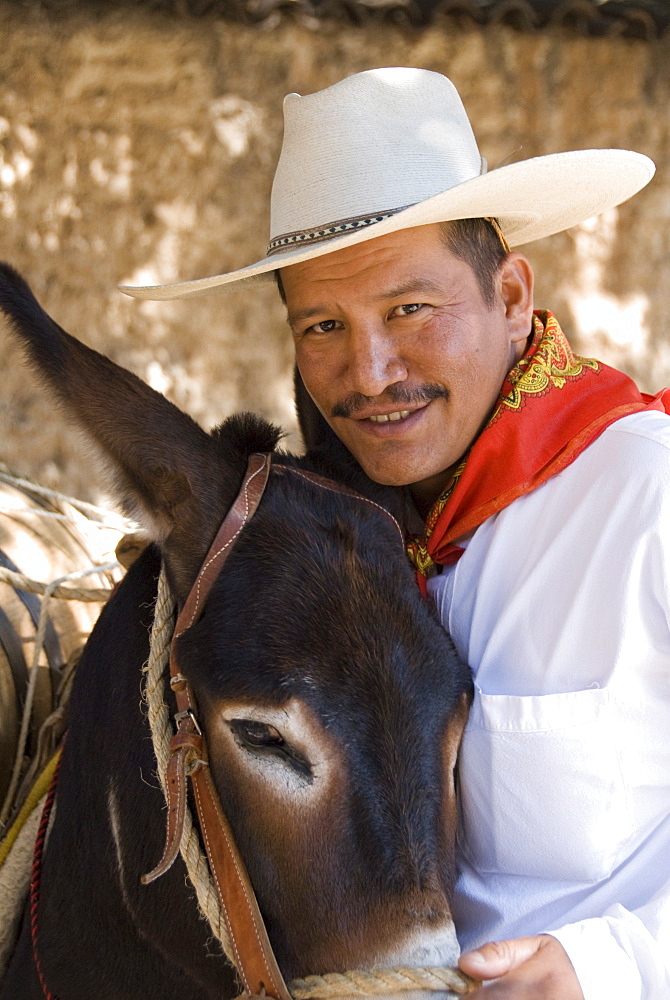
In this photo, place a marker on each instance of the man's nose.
(374, 361)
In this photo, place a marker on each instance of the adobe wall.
(139, 148)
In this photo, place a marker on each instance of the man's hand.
(527, 968)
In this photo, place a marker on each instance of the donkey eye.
(262, 739)
(256, 734)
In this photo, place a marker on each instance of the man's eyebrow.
(417, 284)
(409, 287)
(301, 314)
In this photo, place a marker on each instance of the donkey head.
(331, 697)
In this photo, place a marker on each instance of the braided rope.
(381, 982)
(334, 984)
(197, 866)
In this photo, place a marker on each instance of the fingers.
(528, 968)
(499, 957)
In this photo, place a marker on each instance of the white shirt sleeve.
(623, 955)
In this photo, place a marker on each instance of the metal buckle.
(187, 713)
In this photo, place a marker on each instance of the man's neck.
(425, 493)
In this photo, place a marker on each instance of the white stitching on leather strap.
(222, 549)
(354, 496)
(231, 847)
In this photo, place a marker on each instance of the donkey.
(332, 700)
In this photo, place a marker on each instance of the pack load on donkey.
(57, 566)
(318, 711)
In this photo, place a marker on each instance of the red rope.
(36, 875)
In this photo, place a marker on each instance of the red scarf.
(552, 405)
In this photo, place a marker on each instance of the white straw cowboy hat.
(389, 149)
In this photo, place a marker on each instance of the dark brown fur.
(315, 631)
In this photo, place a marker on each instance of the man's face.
(400, 352)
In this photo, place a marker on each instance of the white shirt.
(561, 606)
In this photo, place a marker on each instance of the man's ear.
(516, 282)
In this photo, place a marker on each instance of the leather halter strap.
(243, 509)
(333, 487)
(254, 957)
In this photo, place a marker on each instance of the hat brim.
(530, 199)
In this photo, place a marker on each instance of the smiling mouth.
(384, 418)
(356, 406)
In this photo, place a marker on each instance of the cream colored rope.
(197, 866)
(53, 514)
(108, 518)
(334, 984)
(381, 982)
(55, 588)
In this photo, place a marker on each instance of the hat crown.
(392, 149)
(375, 142)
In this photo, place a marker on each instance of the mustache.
(398, 394)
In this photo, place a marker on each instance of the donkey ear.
(167, 472)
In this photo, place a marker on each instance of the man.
(543, 480)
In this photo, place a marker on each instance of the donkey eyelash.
(259, 737)
(257, 734)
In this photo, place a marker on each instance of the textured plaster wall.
(140, 148)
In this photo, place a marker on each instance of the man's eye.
(407, 310)
(327, 326)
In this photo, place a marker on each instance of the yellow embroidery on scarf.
(550, 367)
(417, 549)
